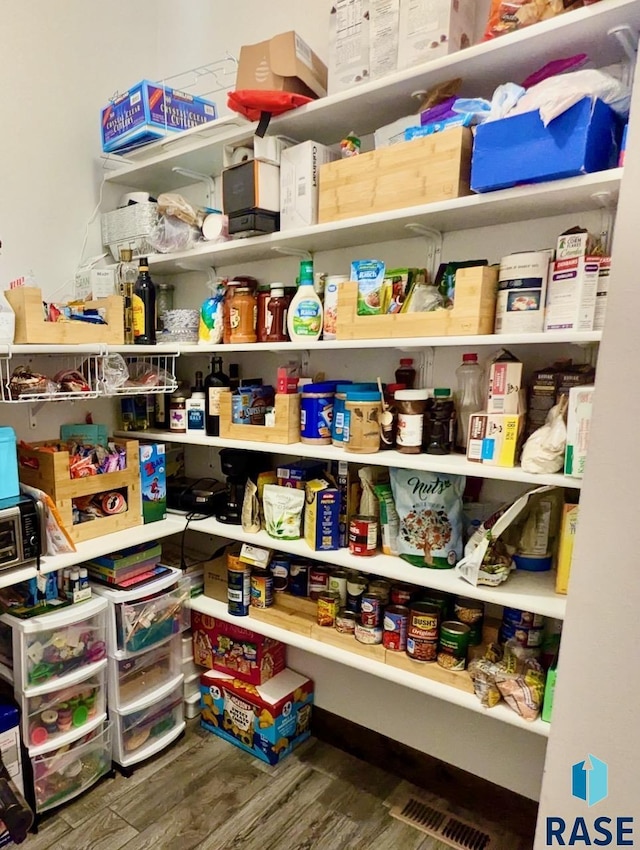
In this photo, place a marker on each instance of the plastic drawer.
(54, 647)
(192, 706)
(191, 686)
(61, 716)
(66, 772)
(133, 679)
(149, 726)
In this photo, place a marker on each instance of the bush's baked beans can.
(363, 535)
(368, 634)
(299, 577)
(394, 635)
(371, 610)
(357, 584)
(328, 607)
(346, 622)
(318, 581)
(383, 587)
(279, 567)
(453, 645)
(238, 588)
(402, 594)
(471, 613)
(261, 588)
(422, 631)
(338, 584)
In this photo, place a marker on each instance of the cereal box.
(267, 721)
(153, 482)
(234, 650)
(568, 528)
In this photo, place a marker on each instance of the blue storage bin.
(9, 484)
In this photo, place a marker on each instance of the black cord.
(195, 517)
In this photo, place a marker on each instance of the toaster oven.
(22, 531)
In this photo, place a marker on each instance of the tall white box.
(384, 18)
(349, 35)
(299, 176)
(431, 28)
(578, 430)
(572, 294)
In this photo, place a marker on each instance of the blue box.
(149, 111)
(153, 482)
(521, 149)
(322, 516)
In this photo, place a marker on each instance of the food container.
(238, 587)
(453, 645)
(338, 584)
(318, 581)
(371, 609)
(471, 613)
(363, 535)
(331, 286)
(316, 413)
(328, 607)
(261, 588)
(362, 409)
(396, 618)
(411, 406)
(402, 594)
(357, 585)
(243, 314)
(346, 621)
(370, 635)
(422, 631)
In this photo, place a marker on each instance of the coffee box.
(494, 438)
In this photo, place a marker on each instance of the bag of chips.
(510, 15)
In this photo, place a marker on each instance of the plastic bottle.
(304, 319)
(277, 308)
(196, 406)
(405, 373)
(470, 396)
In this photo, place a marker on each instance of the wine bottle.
(144, 306)
(215, 384)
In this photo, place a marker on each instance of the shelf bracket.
(608, 205)
(199, 177)
(627, 38)
(292, 252)
(434, 245)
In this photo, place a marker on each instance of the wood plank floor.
(204, 794)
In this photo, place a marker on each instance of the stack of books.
(128, 568)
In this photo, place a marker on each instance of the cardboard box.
(578, 429)
(432, 28)
(384, 25)
(568, 527)
(231, 649)
(251, 185)
(322, 516)
(215, 578)
(282, 63)
(392, 134)
(150, 111)
(571, 244)
(520, 149)
(522, 292)
(572, 294)
(153, 482)
(299, 183)
(600, 312)
(297, 474)
(267, 721)
(349, 35)
(549, 693)
(494, 438)
(505, 383)
(348, 483)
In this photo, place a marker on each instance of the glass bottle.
(127, 276)
(144, 306)
(440, 423)
(164, 302)
(215, 384)
(243, 310)
(470, 397)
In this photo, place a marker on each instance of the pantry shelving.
(418, 681)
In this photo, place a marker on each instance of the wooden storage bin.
(285, 431)
(473, 311)
(50, 472)
(31, 327)
(422, 171)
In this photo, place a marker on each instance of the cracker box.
(578, 430)
(267, 721)
(322, 516)
(568, 527)
(239, 652)
(153, 482)
(505, 383)
(432, 28)
(494, 438)
(348, 482)
(575, 243)
(572, 294)
(150, 111)
(349, 37)
(299, 183)
(297, 474)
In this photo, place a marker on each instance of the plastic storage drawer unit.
(54, 647)
(133, 679)
(149, 725)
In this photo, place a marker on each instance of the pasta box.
(520, 149)
(267, 720)
(153, 482)
(236, 651)
(150, 111)
(322, 516)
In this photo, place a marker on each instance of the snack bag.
(510, 15)
(369, 275)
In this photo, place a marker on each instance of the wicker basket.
(129, 227)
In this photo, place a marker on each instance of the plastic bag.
(510, 15)
(170, 235)
(178, 207)
(211, 324)
(544, 450)
(512, 674)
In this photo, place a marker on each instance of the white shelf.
(482, 68)
(527, 591)
(572, 195)
(375, 668)
(453, 464)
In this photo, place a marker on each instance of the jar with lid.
(262, 321)
(405, 373)
(337, 425)
(243, 310)
(178, 411)
(164, 302)
(441, 423)
(362, 411)
(316, 413)
(230, 286)
(411, 406)
(389, 418)
(276, 318)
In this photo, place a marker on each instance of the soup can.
(371, 610)
(368, 634)
(525, 619)
(363, 535)
(279, 567)
(402, 594)
(346, 622)
(383, 587)
(318, 581)
(328, 607)
(394, 636)
(338, 584)
(238, 589)
(261, 588)
(471, 613)
(357, 585)
(453, 645)
(422, 631)
(299, 577)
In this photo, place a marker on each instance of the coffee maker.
(237, 466)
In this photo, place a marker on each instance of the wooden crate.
(473, 311)
(285, 431)
(422, 171)
(31, 327)
(50, 472)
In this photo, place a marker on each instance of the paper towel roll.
(241, 154)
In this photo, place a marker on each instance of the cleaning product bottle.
(7, 318)
(470, 397)
(304, 319)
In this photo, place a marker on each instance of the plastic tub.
(133, 679)
(149, 725)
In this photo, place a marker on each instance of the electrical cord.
(195, 517)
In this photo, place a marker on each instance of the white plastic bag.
(544, 450)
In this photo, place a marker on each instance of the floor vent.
(450, 829)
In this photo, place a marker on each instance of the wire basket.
(129, 227)
(28, 392)
(148, 375)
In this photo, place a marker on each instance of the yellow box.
(494, 438)
(565, 549)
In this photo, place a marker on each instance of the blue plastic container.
(9, 484)
(316, 412)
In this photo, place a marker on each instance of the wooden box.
(422, 171)
(473, 311)
(50, 472)
(31, 327)
(285, 431)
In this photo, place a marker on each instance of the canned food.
(328, 607)
(471, 613)
(368, 634)
(394, 636)
(422, 631)
(299, 578)
(371, 610)
(357, 584)
(402, 594)
(318, 581)
(279, 567)
(261, 588)
(382, 587)
(338, 584)
(238, 589)
(453, 645)
(442, 601)
(346, 622)
(515, 617)
(528, 638)
(363, 535)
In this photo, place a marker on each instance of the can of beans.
(471, 613)
(402, 594)
(394, 636)
(442, 600)
(238, 588)
(368, 634)
(346, 622)
(363, 535)
(383, 587)
(526, 619)
(318, 581)
(328, 607)
(453, 645)
(422, 631)
(338, 584)
(279, 567)
(371, 610)
(299, 577)
(261, 588)
(357, 584)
